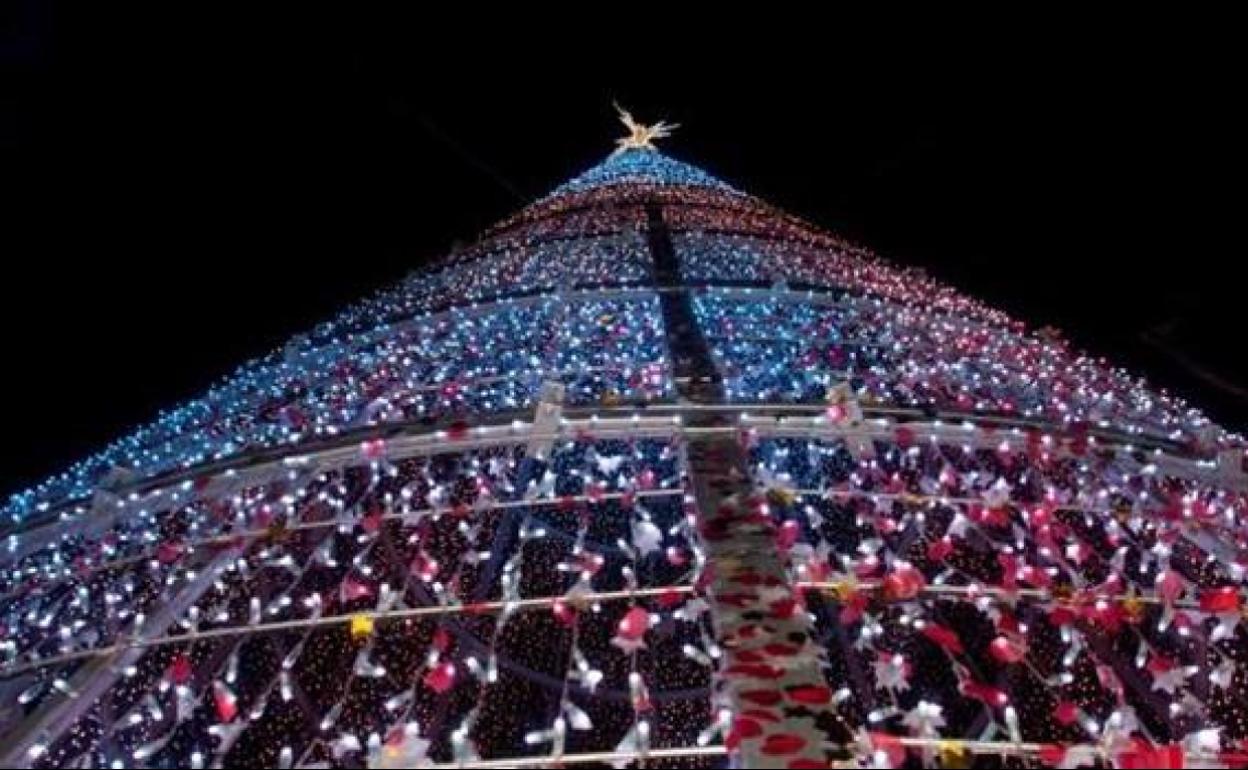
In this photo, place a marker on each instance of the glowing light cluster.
(725, 258)
(492, 529)
(505, 268)
(793, 348)
(457, 364)
(1070, 598)
(640, 166)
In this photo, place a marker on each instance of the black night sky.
(187, 193)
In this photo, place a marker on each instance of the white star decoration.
(890, 673)
(1222, 675)
(1226, 626)
(1169, 681)
(647, 537)
(925, 719)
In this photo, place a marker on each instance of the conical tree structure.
(653, 473)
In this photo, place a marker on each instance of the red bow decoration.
(180, 670)
(903, 584)
(1220, 600)
(1007, 650)
(225, 701)
(944, 638)
(441, 677)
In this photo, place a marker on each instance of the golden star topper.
(640, 136)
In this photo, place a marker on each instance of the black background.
(188, 192)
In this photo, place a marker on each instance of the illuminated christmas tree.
(654, 474)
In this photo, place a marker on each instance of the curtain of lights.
(653, 475)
